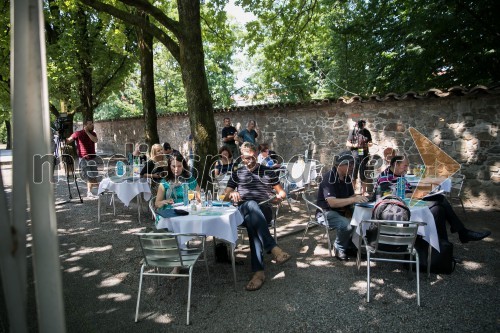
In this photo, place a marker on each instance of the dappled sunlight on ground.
(113, 280)
(117, 297)
(278, 276)
(471, 265)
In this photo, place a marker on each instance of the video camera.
(62, 124)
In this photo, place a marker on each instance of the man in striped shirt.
(250, 184)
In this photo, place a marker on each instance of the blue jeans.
(259, 237)
(343, 227)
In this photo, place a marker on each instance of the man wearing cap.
(335, 196)
(168, 150)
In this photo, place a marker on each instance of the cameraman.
(85, 148)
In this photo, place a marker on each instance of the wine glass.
(190, 195)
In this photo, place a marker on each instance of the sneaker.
(341, 255)
(91, 195)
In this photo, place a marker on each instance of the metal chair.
(162, 250)
(99, 203)
(455, 194)
(151, 206)
(395, 238)
(309, 198)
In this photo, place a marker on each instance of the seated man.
(335, 196)
(440, 207)
(248, 186)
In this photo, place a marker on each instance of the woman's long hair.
(185, 168)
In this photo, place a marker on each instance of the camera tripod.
(62, 153)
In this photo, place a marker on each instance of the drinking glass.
(190, 195)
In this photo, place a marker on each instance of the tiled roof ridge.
(430, 93)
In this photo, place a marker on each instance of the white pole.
(31, 132)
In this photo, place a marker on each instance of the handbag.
(171, 212)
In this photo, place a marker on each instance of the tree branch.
(137, 21)
(151, 10)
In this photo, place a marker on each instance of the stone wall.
(465, 127)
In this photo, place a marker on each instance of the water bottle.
(203, 198)
(120, 168)
(401, 187)
(209, 198)
(185, 199)
(378, 194)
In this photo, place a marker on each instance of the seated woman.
(156, 166)
(171, 190)
(264, 157)
(225, 163)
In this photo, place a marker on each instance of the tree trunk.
(199, 103)
(145, 41)
(85, 65)
(9, 134)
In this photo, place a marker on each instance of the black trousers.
(443, 212)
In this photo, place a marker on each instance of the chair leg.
(328, 240)
(139, 207)
(305, 233)
(463, 207)
(189, 293)
(233, 265)
(99, 208)
(368, 276)
(139, 294)
(418, 277)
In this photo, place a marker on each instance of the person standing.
(249, 134)
(85, 148)
(229, 135)
(359, 140)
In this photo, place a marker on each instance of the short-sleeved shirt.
(223, 168)
(253, 185)
(230, 130)
(84, 146)
(333, 187)
(360, 138)
(248, 136)
(267, 161)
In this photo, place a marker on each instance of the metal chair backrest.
(162, 250)
(152, 206)
(457, 182)
(400, 235)
(310, 198)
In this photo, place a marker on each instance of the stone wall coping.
(454, 91)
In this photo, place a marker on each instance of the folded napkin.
(169, 212)
(221, 203)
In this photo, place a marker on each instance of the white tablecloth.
(222, 224)
(125, 190)
(418, 214)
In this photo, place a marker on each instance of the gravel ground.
(310, 293)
